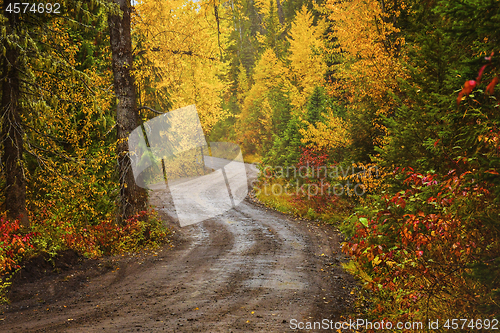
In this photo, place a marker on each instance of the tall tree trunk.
(281, 16)
(133, 198)
(11, 129)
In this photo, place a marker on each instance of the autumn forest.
(390, 108)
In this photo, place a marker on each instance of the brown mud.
(251, 269)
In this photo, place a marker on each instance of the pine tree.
(272, 38)
(31, 55)
(316, 106)
(12, 131)
(287, 146)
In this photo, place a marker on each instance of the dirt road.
(250, 269)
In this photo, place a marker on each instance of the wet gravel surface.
(251, 269)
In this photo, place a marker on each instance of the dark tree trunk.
(133, 198)
(11, 130)
(281, 16)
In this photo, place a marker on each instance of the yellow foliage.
(269, 72)
(330, 135)
(255, 123)
(371, 176)
(73, 170)
(181, 55)
(370, 46)
(265, 7)
(268, 11)
(307, 66)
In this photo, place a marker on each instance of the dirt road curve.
(249, 270)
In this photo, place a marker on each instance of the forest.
(380, 117)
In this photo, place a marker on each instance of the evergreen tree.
(13, 64)
(32, 54)
(316, 106)
(287, 147)
(272, 36)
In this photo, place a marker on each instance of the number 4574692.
(471, 324)
(35, 8)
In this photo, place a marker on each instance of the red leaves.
(315, 194)
(466, 90)
(471, 84)
(490, 88)
(12, 245)
(312, 158)
(480, 74)
(407, 250)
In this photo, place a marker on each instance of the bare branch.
(150, 109)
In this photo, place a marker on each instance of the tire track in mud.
(250, 269)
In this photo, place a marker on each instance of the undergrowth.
(52, 236)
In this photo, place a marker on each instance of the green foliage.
(474, 22)
(425, 243)
(54, 235)
(431, 243)
(316, 106)
(287, 142)
(365, 135)
(285, 150)
(426, 107)
(419, 249)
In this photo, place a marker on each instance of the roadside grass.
(252, 158)
(283, 202)
(279, 202)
